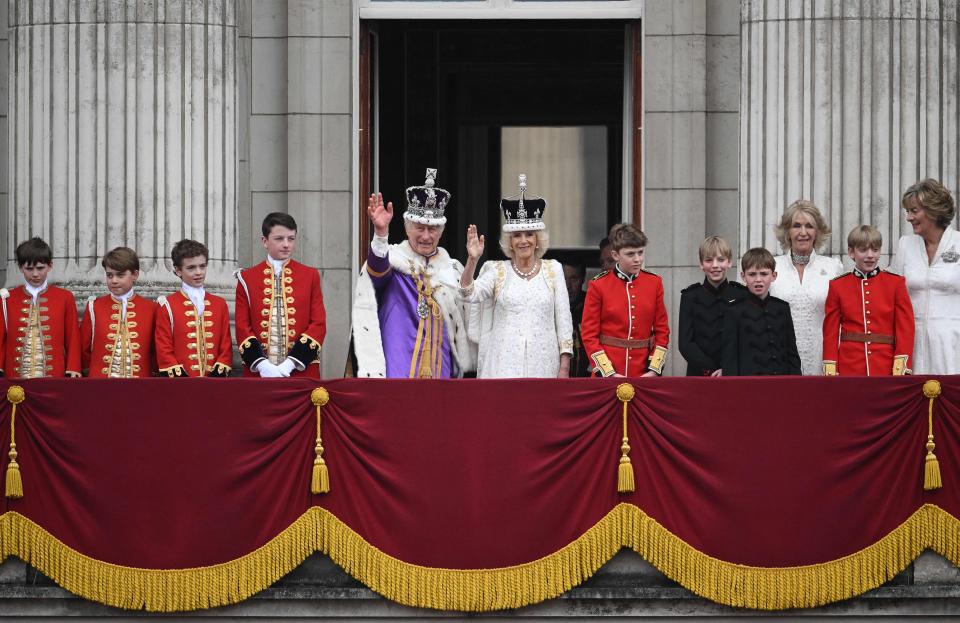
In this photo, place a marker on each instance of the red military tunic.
(868, 325)
(58, 331)
(619, 312)
(304, 317)
(185, 348)
(102, 324)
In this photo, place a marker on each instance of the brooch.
(950, 256)
(823, 271)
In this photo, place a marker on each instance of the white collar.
(35, 292)
(193, 291)
(123, 298)
(277, 264)
(196, 295)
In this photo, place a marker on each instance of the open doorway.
(486, 100)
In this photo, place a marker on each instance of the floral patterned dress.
(807, 299)
(522, 326)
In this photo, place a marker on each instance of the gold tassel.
(320, 482)
(931, 467)
(14, 484)
(625, 480)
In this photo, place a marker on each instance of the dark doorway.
(449, 94)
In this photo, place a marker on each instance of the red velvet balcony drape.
(478, 494)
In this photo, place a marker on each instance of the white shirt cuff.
(379, 246)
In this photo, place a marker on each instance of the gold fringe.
(158, 590)
(476, 590)
(931, 466)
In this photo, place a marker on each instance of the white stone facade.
(139, 122)
(122, 120)
(846, 104)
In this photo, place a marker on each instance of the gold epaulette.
(842, 275)
(603, 273)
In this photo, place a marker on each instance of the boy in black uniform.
(758, 336)
(702, 306)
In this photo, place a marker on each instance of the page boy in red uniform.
(624, 328)
(281, 321)
(868, 323)
(116, 332)
(39, 331)
(192, 332)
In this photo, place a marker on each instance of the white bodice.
(934, 290)
(530, 325)
(807, 300)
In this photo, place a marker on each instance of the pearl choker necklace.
(533, 271)
(800, 260)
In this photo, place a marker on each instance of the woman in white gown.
(929, 259)
(803, 278)
(520, 311)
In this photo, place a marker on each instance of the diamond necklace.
(800, 260)
(533, 271)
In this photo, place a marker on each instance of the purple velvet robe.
(397, 310)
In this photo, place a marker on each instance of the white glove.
(267, 370)
(286, 366)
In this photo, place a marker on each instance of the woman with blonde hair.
(929, 259)
(803, 277)
(520, 311)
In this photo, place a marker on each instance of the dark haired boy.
(702, 306)
(117, 329)
(868, 325)
(192, 333)
(39, 331)
(624, 327)
(281, 321)
(758, 335)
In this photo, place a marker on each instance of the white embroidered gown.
(522, 326)
(807, 301)
(935, 293)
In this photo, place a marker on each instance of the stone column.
(122, 132)
(847, 104)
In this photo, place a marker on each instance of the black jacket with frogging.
(702, 308)
(758, 338)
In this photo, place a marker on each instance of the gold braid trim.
(475, 590)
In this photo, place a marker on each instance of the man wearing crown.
(408, 319)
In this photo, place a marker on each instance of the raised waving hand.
(379, 214)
